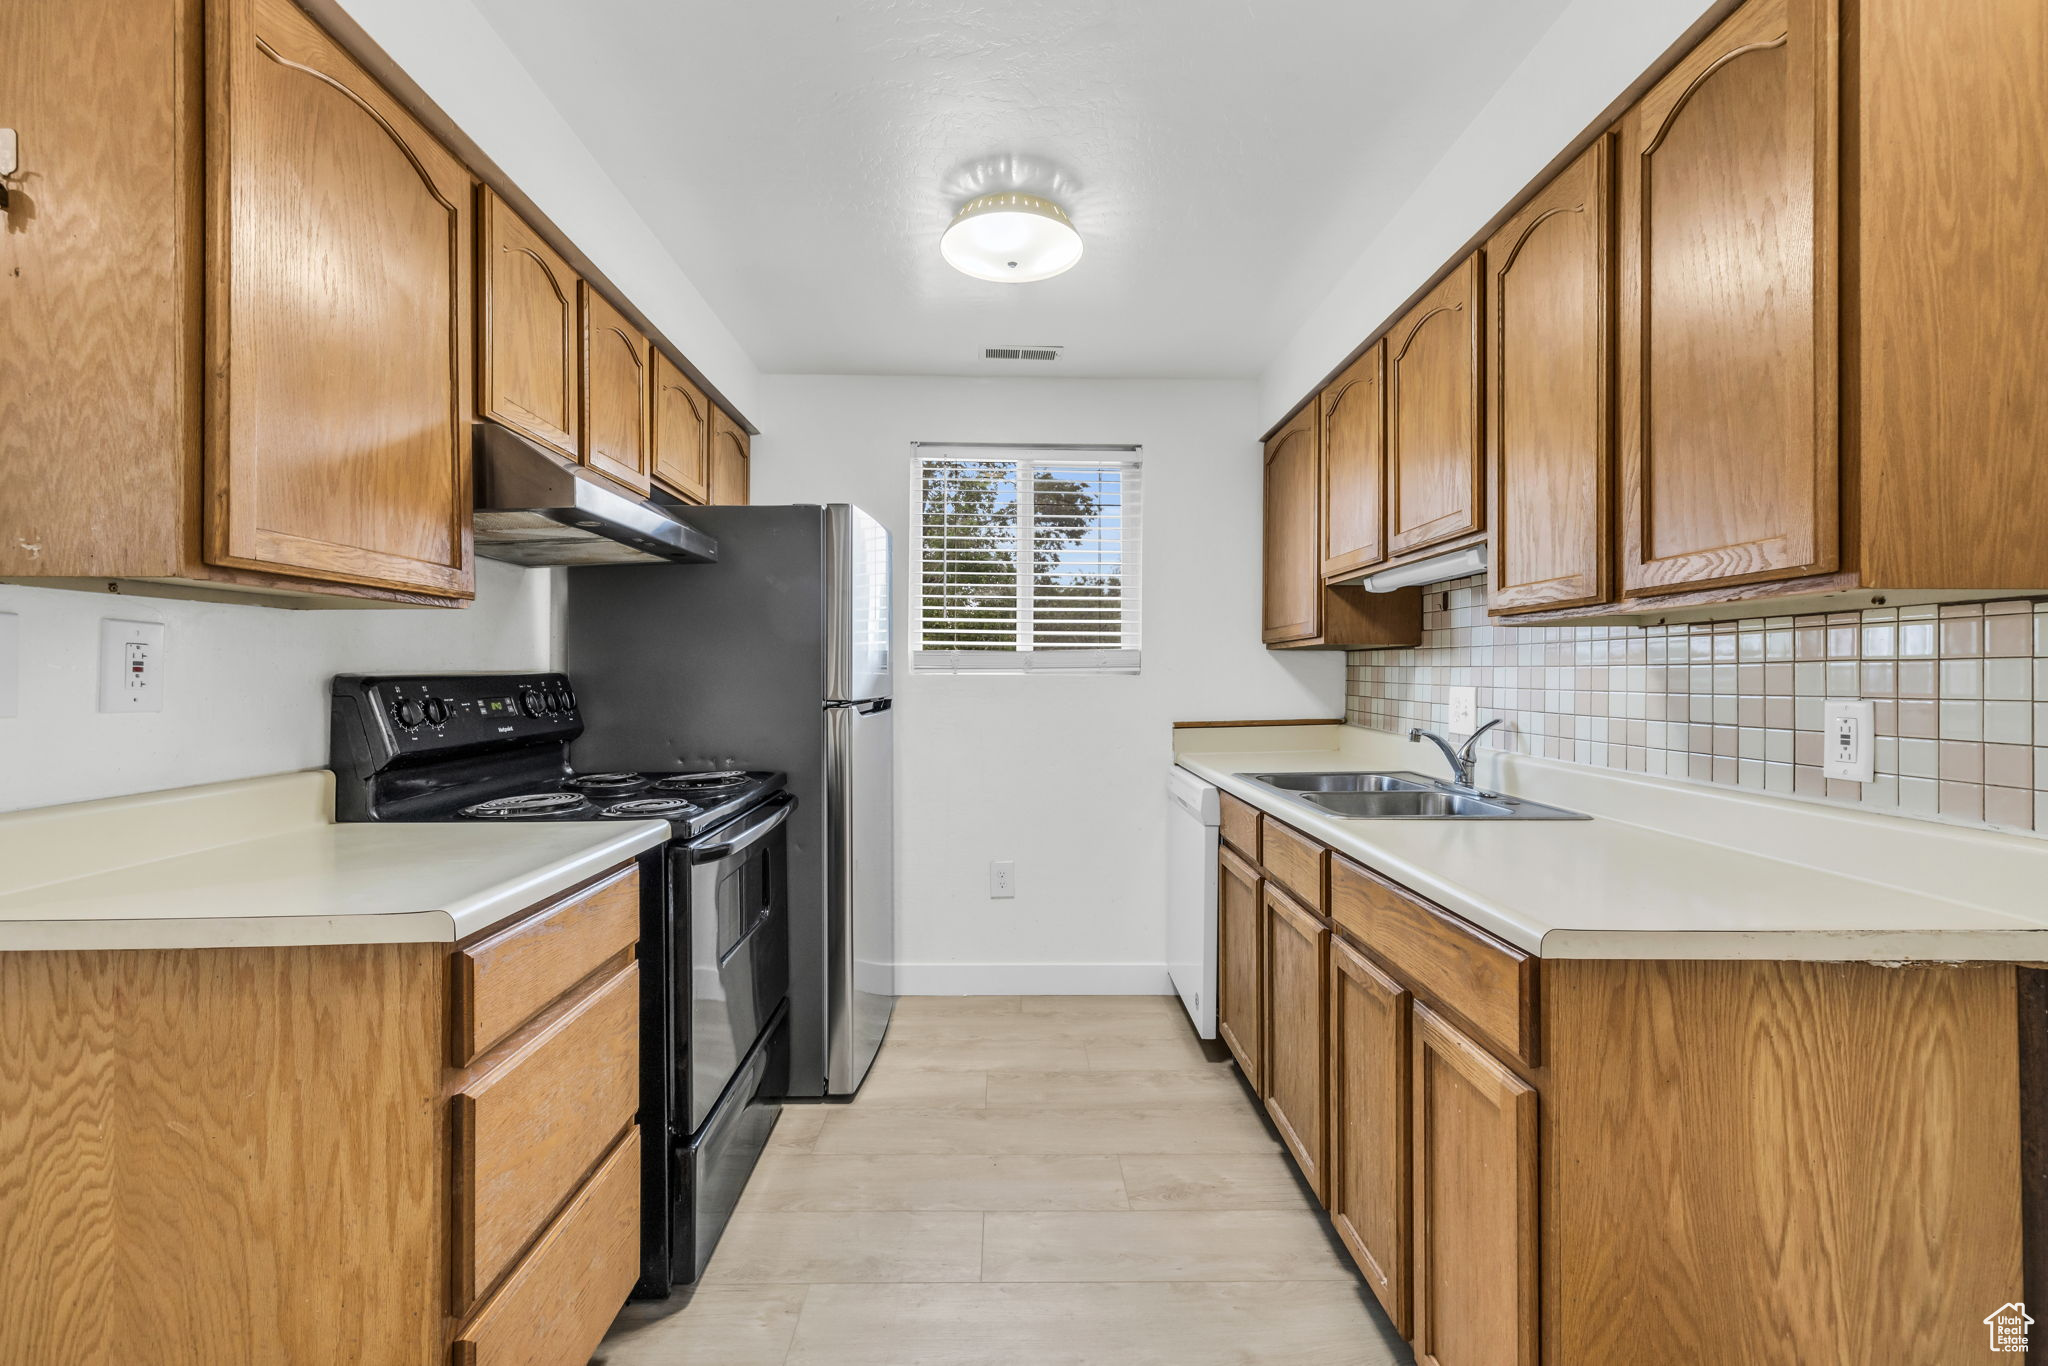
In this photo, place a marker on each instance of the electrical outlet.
(131, 665)
(10, 664)
(1849, 742)
(1002, 878)
(1464, 710)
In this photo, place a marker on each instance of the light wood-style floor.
(1034, 1181)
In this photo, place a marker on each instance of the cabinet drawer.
(556, 1307)
(503, 981)
(1295, 861)
(1490, 984)
(527, 1131)
(1240, 825)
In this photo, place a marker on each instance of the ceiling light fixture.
(1011, 239)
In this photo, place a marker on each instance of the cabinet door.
(1547, 366)
(1293, 544)
(1353, 409)
(528, 375)
(1296, 985)
(731, 459)
(1369, 1175)
(1435, 467)
(1475, 1204)
(1240, 963)
(682, 432)
(617, 382)
(338, 320)
(1727, 317)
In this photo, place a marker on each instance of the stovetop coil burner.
(703, 782)
(650, 808)
(602, 783)
(529, 806)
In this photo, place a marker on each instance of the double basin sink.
(1404, 796)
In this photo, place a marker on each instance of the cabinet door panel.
(682, 431)
(1354, 465)
(1369, 1173)
(1547, 417)
(1296, 949)
(1475, 1204)
(1240, 964)
(528, 374)
(1435, 465)
(616, 385)
(339, 318)
(731, 461)
(1728, 315)
(1293, 540)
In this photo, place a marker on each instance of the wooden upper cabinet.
(731, 459)
(529, 376)
(339, 318)
(682, 432)
(617, 383)
(1727, 308)
(1436, 472)
(1369, 1175)
(1293, 541)
(1475, 1204)
(1548, 361)
(1296, 992)
(1353, 410)
(1240, 963)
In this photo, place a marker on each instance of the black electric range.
(714, 935)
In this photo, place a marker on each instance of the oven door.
(736, 915)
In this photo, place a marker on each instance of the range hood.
(535, 508)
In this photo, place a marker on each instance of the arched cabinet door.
(338, 318)
(1293, 540)
(1435, 469)
(731, 482)
(682, 432)
(1727, 413)
(1353, 408)
(617, 385)
(528, 375)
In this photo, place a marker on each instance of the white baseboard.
(1032, 979)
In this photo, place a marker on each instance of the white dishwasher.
(1191, 819)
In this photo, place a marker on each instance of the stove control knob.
(530, 702)
(409, 714)
(437, 710)
(568, 698)
(558, 698)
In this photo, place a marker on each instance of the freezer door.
(860, 879)
(857, 570)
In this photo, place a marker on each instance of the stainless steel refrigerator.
(775, 657)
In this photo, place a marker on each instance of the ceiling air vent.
(1021, 352)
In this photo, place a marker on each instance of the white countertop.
(1666, 869)
(261, 862)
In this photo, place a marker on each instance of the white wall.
(245, 688)
(462, 64)
(1064, 775)
(1594, 51)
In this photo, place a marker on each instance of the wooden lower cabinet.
(1476, 1254)
(1368, 1194)
(1725, 1162)
(1240, 963)
(1297, 949)
(239, 1157)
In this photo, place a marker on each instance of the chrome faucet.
(1460, 756)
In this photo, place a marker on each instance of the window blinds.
(1028, 561)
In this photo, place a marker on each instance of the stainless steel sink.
(1404, 796)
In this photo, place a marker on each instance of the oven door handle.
(746, 836)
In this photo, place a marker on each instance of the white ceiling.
(1220, 158)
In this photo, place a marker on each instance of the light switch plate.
(1464, 710)
(10, 664)
(131, 665)
(1848, 742)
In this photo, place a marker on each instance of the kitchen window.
(1028, 560)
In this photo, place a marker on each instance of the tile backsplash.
(1961, 695)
